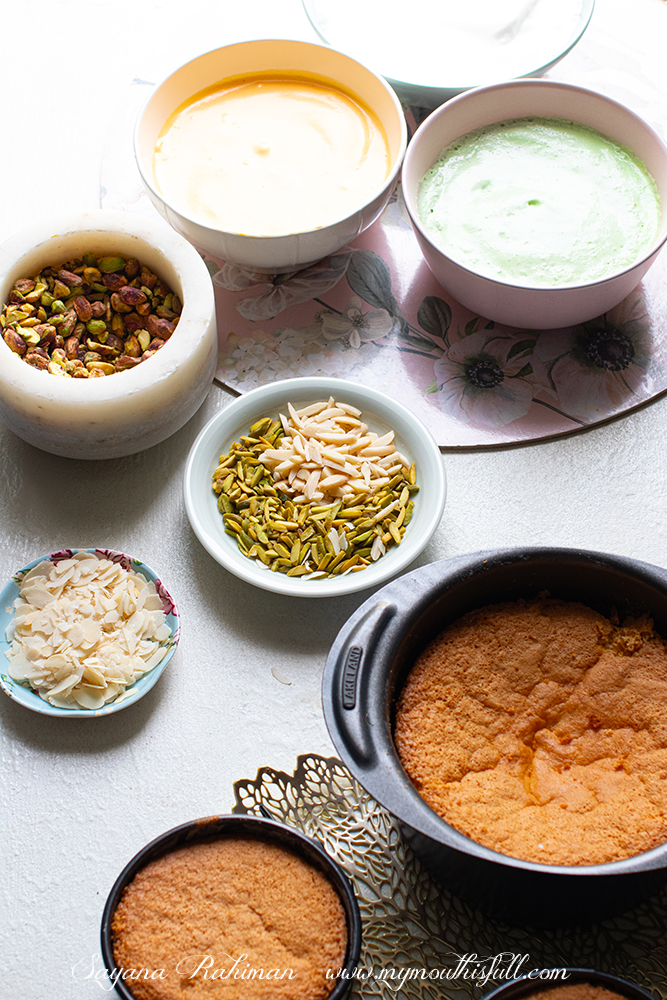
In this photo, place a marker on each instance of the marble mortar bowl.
(129, 411)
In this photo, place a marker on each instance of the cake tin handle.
(351, 696)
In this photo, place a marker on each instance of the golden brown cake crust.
(227, 898)
(539, 729)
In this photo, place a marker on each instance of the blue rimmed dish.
(26, 696)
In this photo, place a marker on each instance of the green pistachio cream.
(540, 202)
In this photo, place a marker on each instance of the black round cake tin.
(366, 669)
(255, 827)
(549, 979)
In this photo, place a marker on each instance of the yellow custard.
(268, 155)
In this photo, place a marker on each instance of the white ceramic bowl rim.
(585, 16)
(473, 94)
(26, 696)
(389, 179)
(236, 419)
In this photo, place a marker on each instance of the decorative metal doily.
(411, 922)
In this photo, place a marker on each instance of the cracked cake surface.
(539, 729)
(243, 903)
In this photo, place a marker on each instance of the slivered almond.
(328, 437)
(296, 419)
(350, 409)
(308, 411)
(311, 484)
(331, 482)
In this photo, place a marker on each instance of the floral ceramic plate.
(26, 696)
(375, 314)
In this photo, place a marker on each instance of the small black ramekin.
(366, 670)
(519, 989)
(256, 828)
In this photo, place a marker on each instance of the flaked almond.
(84, 629)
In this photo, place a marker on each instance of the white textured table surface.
(80, 797)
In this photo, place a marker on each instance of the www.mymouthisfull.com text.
(504, 966)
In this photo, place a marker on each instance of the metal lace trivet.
(411, 922)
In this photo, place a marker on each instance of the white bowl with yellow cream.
(271, 154)
(528, 299)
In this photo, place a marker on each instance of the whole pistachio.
(119, 304)
(46, 333)
(133, 322)
(68, 324)
(114, 343)
(96, 327)
(132, 347)
(15, 341)
(148, 279)
(72, 347)
(131, 296)
(113, 282)
(68, 278)
(100, 366)
(125, 362)
(109, 264)
(161, 328)
(83, 308)
(36, 360)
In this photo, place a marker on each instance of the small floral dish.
(109, 569)
(382, 414)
